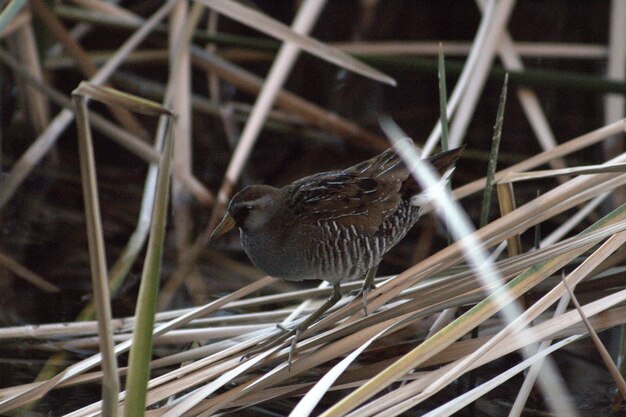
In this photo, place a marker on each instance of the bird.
(333, 226)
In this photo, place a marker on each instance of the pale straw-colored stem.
(45, 141)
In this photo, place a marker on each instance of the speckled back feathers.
(334, 225)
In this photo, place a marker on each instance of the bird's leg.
(277, 340)
(368, 285)
(334, 298)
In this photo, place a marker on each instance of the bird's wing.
(362, 195)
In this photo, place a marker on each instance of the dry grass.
(412, 348)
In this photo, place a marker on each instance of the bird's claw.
(292, 348)
(363, 293)
(275, 341)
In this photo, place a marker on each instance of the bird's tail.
(444, 163)
(445, 160)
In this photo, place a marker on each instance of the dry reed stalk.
(246, 81)
(126, 139)
(570, 50)
(482, 51)
(97, 257)
(22, 18)
(604, 354)
(44, 142)
(528, 99)
(486, 53)
(231, 396)
(22, 41)
(570, 146)
(506, 199)
(26, 274)
(84, 64)
(111, 9)
(616, 68)
(180, 87)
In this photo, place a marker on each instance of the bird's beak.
(225, 225)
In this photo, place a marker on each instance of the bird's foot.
(270, 343)
(292, 348)
(365, 289)
(277, 340)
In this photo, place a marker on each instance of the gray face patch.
(261, 211)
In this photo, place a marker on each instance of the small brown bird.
(334, 226)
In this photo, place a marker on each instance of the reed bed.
(168, 319)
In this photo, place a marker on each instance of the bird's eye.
(240, 214)
(245, 210)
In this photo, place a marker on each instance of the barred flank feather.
(335, 225)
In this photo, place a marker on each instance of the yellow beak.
(225, 225)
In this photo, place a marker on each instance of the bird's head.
(250, 209)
